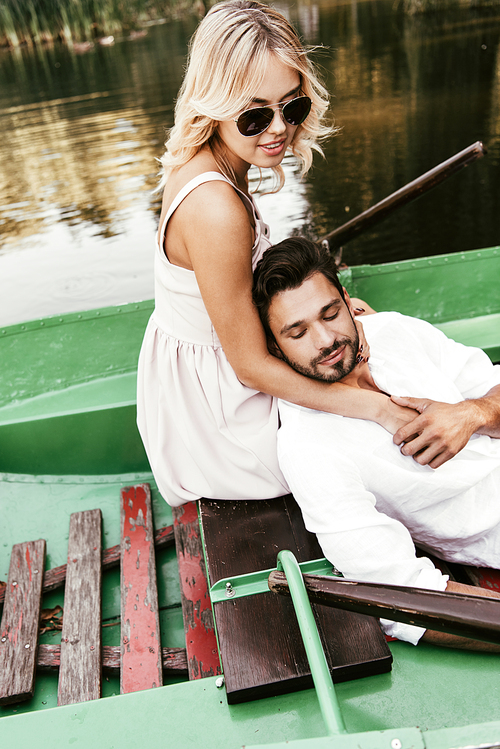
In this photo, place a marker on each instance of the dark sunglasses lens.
(255, 121)
(296, 111)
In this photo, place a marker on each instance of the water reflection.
(410, 92)
(80, 135)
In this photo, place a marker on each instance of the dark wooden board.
(261, 648)
(20, 621)
(140, 623)
(201, 642)
(80, 670)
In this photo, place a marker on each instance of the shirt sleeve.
(363, 543)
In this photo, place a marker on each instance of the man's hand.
(394, 417)
(443, 429)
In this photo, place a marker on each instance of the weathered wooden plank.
(259, 639)
(173, 659)
(201, 642)
(80, 671)
(140, 624)
(20, 621)
(56, 577)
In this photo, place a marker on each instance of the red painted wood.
(485, 577)
(140, 625)
(201, 643)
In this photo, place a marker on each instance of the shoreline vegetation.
(80, 23)
(83, 22)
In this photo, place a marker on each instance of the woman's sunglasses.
(256, 121)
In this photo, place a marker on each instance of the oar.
(468, 616)
(404, 195)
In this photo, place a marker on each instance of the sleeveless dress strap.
(189, 187)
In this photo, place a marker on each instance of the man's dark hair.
(286, 266)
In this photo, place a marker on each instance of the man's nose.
(323, 337)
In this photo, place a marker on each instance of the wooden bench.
(260, 644)
(80, 657)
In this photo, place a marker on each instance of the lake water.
(81, 132)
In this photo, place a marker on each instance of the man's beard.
(333, 372)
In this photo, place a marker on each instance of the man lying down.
(366, 501)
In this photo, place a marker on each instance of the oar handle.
(404, 195)
(477, 617)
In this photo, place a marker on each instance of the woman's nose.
(278, 124)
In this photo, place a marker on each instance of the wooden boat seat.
(260, 644)
(80, 658)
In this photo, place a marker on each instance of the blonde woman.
(207, 385)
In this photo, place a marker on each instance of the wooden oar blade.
(476, 617)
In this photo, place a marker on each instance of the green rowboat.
(69, 443)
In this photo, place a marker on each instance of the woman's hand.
(358, 308)
(395, 417)
(438, 433)
(364, 349)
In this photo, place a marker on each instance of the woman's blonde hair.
(226, 66)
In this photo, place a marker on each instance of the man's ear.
(348, 302)
(273, 348)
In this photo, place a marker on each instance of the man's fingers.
(418, 404)
(408, 432)
(413, 447)
(434, 454)
(440, 459)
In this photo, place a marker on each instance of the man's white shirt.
(366, 501)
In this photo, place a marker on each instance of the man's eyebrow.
(290, 93)
(299, 323)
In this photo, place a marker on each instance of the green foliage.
(38, 21)
(413, 7)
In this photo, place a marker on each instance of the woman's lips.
(272, 148)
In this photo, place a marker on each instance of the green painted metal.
(485, 736)
(330, 708)
(256, 582)
(68, 393)
(406, 738)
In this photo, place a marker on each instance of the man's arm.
(463, 643)
(459, 421)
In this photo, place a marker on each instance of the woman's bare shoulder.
(211, 216)
(217, 198)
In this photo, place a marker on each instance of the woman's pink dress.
(205, 434)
